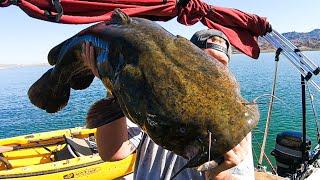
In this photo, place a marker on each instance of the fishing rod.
(304, 59)
(301, 62)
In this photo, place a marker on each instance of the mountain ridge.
(305, 41)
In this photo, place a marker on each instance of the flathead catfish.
(172, 89)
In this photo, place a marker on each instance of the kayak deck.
(35, 156)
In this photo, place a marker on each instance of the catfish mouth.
(199, 157)
(197, 153)
(210, 164)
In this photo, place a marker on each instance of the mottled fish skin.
(169, 87)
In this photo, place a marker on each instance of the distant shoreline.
(6, 66)
(273, 50)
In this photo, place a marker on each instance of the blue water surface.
(18, 116)
(256, 78)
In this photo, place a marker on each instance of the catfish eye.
(182, 130)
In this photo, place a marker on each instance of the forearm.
(112, 141)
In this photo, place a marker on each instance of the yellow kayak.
(62, 154)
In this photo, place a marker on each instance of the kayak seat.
(75, 148)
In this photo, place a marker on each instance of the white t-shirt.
(153, 162)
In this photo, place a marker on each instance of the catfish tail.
(48, 93)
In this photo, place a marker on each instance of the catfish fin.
(119, 17)
(48, 94)
(103, 112)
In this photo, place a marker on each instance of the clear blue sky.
(25, 40)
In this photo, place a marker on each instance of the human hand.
(88, 56)
(231, 159)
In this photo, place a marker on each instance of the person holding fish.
(120, 138)
(181, 95)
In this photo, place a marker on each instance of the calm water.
(18, 116)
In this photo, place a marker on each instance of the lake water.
(18, 116)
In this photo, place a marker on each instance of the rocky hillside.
(304, 41)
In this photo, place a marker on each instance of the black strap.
(58, 7)
(217, 47)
